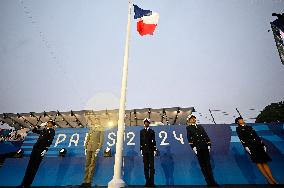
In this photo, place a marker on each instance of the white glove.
(43, 153)
(43, 124)
(264, 147)
(107, 149)
(247, 149)
(195, 150)
(97, 151)
(209, 148)
(155, 153)
(141, 152)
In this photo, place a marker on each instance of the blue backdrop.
(176, 165)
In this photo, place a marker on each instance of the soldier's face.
(192, 121)
(146, 124)
(241, 122)
(49, 125)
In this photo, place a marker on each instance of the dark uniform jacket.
(197, 137)
(147, 140)
(249, 137)
(45, 138)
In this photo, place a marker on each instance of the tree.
(273, 113)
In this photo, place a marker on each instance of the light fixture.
(110, 123)
(107, 152)
(19, 153)
(62, 152)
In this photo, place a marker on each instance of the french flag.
(147, 20)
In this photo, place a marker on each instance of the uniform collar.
(146, 128)
(195, 125)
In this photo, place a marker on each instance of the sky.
(63, 55)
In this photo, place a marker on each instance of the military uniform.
(148, 146)
(45, 139)
(251, 140)
(198, 138)
(93, 144)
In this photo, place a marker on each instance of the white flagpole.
(117, 181)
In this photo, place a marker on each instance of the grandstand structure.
(79, 119)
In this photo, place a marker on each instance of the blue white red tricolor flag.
(147, 20)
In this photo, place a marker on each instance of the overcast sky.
(63, 55)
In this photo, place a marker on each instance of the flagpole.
(117, 181)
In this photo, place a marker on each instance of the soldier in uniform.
(93, 145)
(45, 139)
(255, 148)
(148, 150)
(201, 145)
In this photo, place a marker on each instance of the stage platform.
(176, 165)
(189, 186)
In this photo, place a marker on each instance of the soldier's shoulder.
(239, 128)
(51, 131)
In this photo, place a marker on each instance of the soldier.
(45, 139)
(93, 145)
(148, 150)
(255, 148)
(201, 145)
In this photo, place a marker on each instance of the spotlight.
(62, 152)
(19, 153)
(110, 123)
(107, 152)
